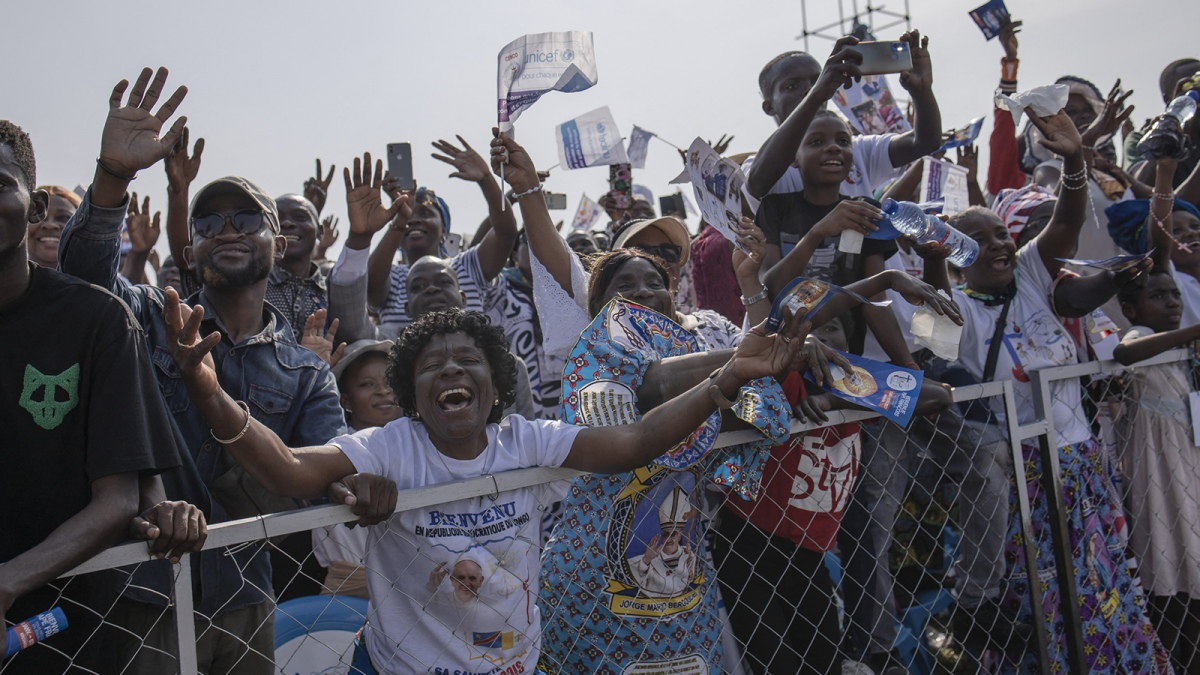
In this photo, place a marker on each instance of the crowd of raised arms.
(246, 373)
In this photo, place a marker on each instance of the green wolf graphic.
(60, 395)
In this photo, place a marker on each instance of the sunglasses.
(247, 222)
(667, 252)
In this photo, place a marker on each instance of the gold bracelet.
(245, 428)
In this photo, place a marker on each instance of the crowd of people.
(246, 374)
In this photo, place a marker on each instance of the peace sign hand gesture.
(131, 140)
(316, 189)
(192, 355)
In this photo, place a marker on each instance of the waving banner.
(592, 139)
(533, 65)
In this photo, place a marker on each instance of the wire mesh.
(871, 548)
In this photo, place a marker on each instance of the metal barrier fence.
(888, 595)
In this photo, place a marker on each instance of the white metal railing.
(262, 527)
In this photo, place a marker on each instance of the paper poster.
(534, 65)
(643, 192)
(717, 184)
(804, 296)
(592, 139)
(944, 182)
(639, 143)
(1117, 263)
(586, 215)
(989, 17)
(870, 107)
(965, 135)
(889, 390)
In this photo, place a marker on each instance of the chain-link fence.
(869, 547)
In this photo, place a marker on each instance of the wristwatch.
(757, 297)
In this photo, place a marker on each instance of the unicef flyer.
(882, 387)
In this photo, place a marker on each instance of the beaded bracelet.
(245, 427)
(518, 195)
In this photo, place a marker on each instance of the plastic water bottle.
(28, 633)
(1165, 138)
(909, 219)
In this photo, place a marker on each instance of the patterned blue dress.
(627, 585)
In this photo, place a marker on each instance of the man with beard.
(234, 239)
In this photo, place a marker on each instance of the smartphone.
(672, 205)
(399, 159)
(884, 57)
(556, 201)
(453, 244)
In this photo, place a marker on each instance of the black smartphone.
(399, 159)
(672, 204)
(884, 57)
(556, 201)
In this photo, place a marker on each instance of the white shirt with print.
(1033, 339)
(420, 619)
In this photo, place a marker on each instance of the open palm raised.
(131, 140)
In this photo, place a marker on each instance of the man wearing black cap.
(234, 242)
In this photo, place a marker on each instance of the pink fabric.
(715, 284)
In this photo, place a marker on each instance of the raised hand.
(192, 355)
(745, 264)
(652, 549)
(967, 156)
(841, 69)
(917, 292)
(760, 354)
(173, 528)
(329, 235)
(370, 497)
(468, 164)
(518, 169)
(181, 169)
(1111, 118)
(131, 140)
(364, 206)
(1059, 133)
(316, 189)
(848, 215)
(1008, 38)
(722, 144)
(921, 75)
(143, 230)
(320, 341)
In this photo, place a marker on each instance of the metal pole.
(1041, 631)
(185, 622)
(1060, 531)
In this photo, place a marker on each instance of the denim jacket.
(288, 388)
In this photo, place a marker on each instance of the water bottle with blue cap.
(910, 220)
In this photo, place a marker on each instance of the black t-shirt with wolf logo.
(80, 402)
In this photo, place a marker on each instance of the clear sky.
(274, 85)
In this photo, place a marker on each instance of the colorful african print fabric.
(627, 584)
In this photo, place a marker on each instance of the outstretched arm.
(621, 448)
(1061, 236)
(1142, 348)
(779, 150)
(497, 243)
(544, 241)
(181, 171)
(926, 136)
(300, 472)
(367, 215)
